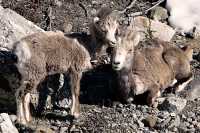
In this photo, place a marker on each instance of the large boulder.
(6, 125)
(14, 27)
(147, 27)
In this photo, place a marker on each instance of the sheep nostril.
(117, 63)
(112, 43)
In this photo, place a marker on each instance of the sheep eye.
(130, 50)
(116, 33)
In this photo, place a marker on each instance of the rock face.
(145, 26)
(194, 92)
(6, 125)
(13, 27)
(173, 104)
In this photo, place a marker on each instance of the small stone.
(163, 115)
(198, 125)
(94, 2)
(63, 129)
(150, 121)
(58, 3)
(189, 119)
(44, 129)
(172, 114)
(140, 124)
(175, 123)
(183, 116)
(93, 12)
(159, 13)
(187, 124)
(191, 126)
(120, 105)
(163, 123)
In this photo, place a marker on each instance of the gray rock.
(173, 104)
(13, 118)
(6, 125)
(14, 27)
(194, 91)
(163, 123)
(145, 25)
(150, 121)
(58, 3)
(159, 13)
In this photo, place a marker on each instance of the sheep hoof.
(76, 115)
(21, 121)
(28, 119)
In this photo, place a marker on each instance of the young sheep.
(150, 68)
(43, 54)
(103, 30)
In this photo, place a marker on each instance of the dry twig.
(146, 11)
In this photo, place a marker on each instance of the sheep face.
(107, 27)
(123, 52)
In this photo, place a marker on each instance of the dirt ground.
(98, 112)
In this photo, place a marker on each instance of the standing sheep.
(46, 53)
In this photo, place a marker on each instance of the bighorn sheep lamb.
(150, 68)
(46, 53)
(103, 29)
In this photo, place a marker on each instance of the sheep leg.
(181, 84)
(154, 92)
(20, 108)
(26, 103)
(75, 90)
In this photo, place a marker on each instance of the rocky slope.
(175, 113)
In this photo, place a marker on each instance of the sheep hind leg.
(181, 84)
(20, 107)
(26, 103)
(75, 90)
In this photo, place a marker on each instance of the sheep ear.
(96, 19)
(133, 37)
(136, 39)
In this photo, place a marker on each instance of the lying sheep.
(149, 68)
(46, 53)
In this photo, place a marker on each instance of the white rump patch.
(23, 52)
